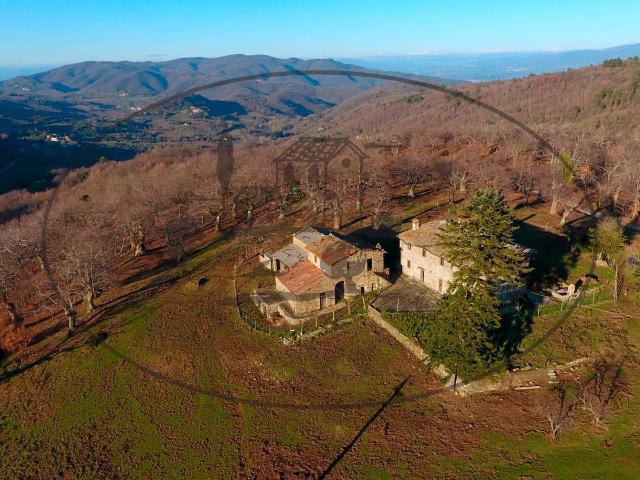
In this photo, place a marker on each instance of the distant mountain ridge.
(110, 86)
(495, 66)
(72, 100)
(97, 78)
(110, 79)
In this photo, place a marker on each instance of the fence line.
(348, 313)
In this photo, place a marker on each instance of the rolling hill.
(74, 99)
(112, 82)
(577, 104)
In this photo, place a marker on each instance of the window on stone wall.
(408, 263)
(441, 261)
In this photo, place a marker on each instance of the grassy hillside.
(155, 385)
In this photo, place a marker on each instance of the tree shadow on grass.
(83, 336)
(355, 220)
(552, 256)
(106, 311)
(552, 259)
(40, 320)
(515, 327)
(167, 262)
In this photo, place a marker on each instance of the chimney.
(415, 224)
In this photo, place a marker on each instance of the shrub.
(415, 98)
(455, 98)
(634, 93)
(412, 324)
(613, 62)
(608, 97)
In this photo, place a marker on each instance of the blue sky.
(66, 31)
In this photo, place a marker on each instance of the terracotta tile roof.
(332, 249)
(305, 277)
(425, 236)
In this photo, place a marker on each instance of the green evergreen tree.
(458, 335)
(608, 240)
(480, 244)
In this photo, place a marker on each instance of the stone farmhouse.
(317, 270)
(422, 259)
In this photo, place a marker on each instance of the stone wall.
(407, 343)
(437, 273)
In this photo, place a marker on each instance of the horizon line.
(158, 57)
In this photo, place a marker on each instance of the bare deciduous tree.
(80, 258)
(91, 256)
(605, 384)
(176, 233)
(412, 173)
(558, 407)
(16, 256)
(380, 191)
